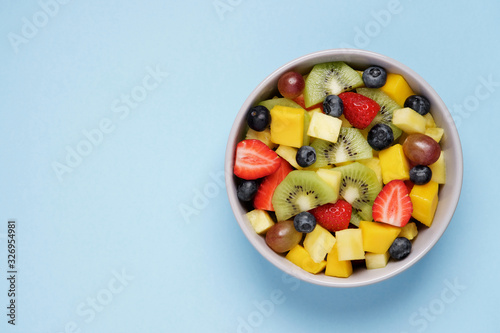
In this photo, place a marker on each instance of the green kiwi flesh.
(331, 78)
(350, 146)
(300, 191)
(359, 186)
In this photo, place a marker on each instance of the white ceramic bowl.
(448, 194)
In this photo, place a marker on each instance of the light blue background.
(119, 211)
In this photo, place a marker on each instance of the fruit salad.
(341, 169)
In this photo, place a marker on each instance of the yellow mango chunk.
(424, 199)
(260, 220)
(318, 243)
(397, 88)
(376, 260)
(435, 132)
(409, 120)
(438, 169)
(337, 268)
(409, 231)
(287, 126)
(378, 237)
(350, 244)
(332, 178)
(300, 257)
(324, 127)
(394, 164)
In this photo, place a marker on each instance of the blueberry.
(247, 190)
(306, 156)
(380, 136)
(418, 103)
(304, 222)
(420, 174)
(374, 77)
(333, 106)
(400, 248)
(258, 118)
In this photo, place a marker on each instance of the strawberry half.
(333, 217)
(264, 196)
(254, 159)
(359, 110)
(393, 204)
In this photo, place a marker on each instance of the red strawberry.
(254, 159)
(333, 217)
(266, 189)
(393, 204)
(300, 101)
(359, 110)
(409, 185)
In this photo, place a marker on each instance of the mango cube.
(378, 237)
(350, 244)
(287, 126)
(337, 268)
(438, 169)
(324, 127)
(318, 243)
(260, 220)
(435, 132)
(376, 260)
(409, 231)
(424, 199)
(409, 120)
(394, 164)
(300, 257)
(332, 178)
(397, 88)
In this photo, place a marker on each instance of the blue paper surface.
(114, 122)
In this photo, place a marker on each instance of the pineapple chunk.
(337, 268)
(376, 260)
(264, 136)
(318, 243)
(378, 237)
(374, 164)
(260, 220)
(409, 231)
(409, 120)
(438, 169)
(287, 126)
(429, 120)
(424, 199)
(350, 244)
(435, 132)
(313, 111)
(332, 178)
(300, 257)
(397, 88)
(394, 164)
(289, 154)
(324, 127)
(345, 122)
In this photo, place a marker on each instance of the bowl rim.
(451, 133)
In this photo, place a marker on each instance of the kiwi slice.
(300, 191)
(355, 218)
(270, 103)
(359, 186)
(387, 107)
(329, 78)
(350, 146)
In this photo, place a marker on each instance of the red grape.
(291, 85)
(421, 149)
(282, 236)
